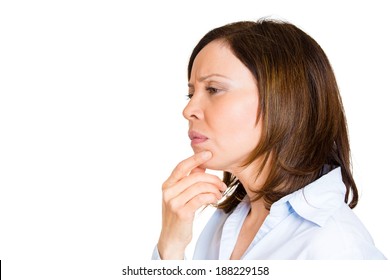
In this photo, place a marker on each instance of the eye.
(212, 90)
(189, 95)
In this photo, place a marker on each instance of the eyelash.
(210, 90)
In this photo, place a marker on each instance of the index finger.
(185, 167)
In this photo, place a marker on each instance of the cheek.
(235, 126)
(234, 132)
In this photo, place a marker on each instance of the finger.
(176, 189)
(198, 201)
(198, 170)
(200, 188)
(185, 167)
(177, 203)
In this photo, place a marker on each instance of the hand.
(184, 192)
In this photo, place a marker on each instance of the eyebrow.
(201, 79)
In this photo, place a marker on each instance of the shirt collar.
(317, 201)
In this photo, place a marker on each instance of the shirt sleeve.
(156, 254)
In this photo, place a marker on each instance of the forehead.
(217, 58)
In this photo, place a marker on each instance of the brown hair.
(304, 130)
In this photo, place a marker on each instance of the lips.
(196, 137)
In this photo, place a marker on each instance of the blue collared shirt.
(311, 223)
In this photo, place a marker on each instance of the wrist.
(170, 252)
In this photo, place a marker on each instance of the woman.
(264, 107)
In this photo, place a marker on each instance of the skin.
(223, 107)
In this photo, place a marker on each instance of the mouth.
(196, 138)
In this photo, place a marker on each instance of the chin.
(213, 163)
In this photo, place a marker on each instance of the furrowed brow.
(202, 79)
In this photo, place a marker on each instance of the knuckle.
(173, 206)
(165, 185)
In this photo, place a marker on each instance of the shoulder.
(343, 236)
(331, 229)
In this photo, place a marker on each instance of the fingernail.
(206, 154)
(224, 186)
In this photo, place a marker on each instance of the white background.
(91, 94)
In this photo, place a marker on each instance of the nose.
(194, 109)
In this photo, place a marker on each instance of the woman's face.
(223, 107)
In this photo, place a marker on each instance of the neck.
(252, 182)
